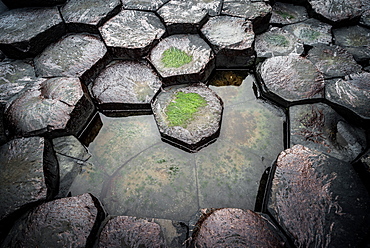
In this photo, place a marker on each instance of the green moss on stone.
(277, 40)
(183, 108)
(285, 15)
(174, 57)
(309, 34)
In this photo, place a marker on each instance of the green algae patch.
(183, 108)
(277, 40)
(174, 57)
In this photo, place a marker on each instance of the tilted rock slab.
(286, 13)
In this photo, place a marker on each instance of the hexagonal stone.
(183, 16)
(88, 15)
(277, 42)
(233, 227)
(318, 200)
(126, 85)
(352, 92)
(188, 116)
(127, 37)
(232, 40)
(290, 79)
(34, 3)
(29, 173)
(319, 127)
(183, 59)
(333, 61)
(150, 5)
(311, 31)
(285, 13)
(66, 222)
(26, 32)
(57, 105)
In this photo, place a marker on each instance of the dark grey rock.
(352, 92)
(26, 32)
(66, 222)
(150, 5)
(285, 13)
(333, 61)
(3, 8)
(171, 66)
(57, 105)
(365, 18)
(291, 78)
(33, 3)
(232, 40)
(200, 128)
(88, 15)
(277, 42)
(318, 200)
(319, 127)
(3, 137)
(127, 37)
(126, 85)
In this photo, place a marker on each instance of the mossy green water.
(183, 108)
(174, 57)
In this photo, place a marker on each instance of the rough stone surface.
(338, 203)
(319, 127)
(232, 40)
(365, 18)
(285, 13)
(26, 32)
(151, 5)
(232, 227)
(33, 3)
(352, 92)
(127, 37)
(67, 222)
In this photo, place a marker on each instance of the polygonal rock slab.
(333, 61)
(26, 32)
(57, 105)
(28, 173)
(285, 13)
(233, 227)
(183, 16)
(232, 40)
(319, 127)
(127, 37)
(76, 55)
(150, 5)
(66, 222)
(277, 42)
(126, 85)
(352, 92)
(183, 59)
(318, 200)
(291, 78)
(311, 31)
(188, 115)
(34, 3)
(88, 15)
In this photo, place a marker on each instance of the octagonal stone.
(88, 15)
(150, 5)
(183, 59)
(76, 55)
(57, 105)
(131, 34)
(232, 40)
(26, 32)
(188, 116)
(126, 85)
(285, 13)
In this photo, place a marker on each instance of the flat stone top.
(23, 24)
(246, 9)
(285, 13)
(143, 4)
(132, 29)
(355, 36)
(230, 32)
(182, 12)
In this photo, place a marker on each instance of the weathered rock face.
(26, 32)
(352, 92)
(188, 116)
(88, 15)
(151, 5)
(24, 165)
(67, 222)
(285, 13)
(232, 227)
(365, 18)
(318, 200)
(128, 38)
(57, 105)
(319, 127)
(232, 40)
(34, 3)
(182, 59)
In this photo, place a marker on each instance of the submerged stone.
(285, 13)
(318, 200)
(150, 5)
(188, 115)
(126, 85)
(26, 32)
(232, 40)
(127, 37)
(33, 3)
(319, 127)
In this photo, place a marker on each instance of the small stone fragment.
(285, 13)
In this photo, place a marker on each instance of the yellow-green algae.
(174, 57)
